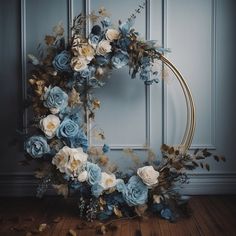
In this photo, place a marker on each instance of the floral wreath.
(61, 81)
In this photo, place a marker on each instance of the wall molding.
(211, 145)
(25, 184)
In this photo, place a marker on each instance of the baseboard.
(210, 183)
(25, 184)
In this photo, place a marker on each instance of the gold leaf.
(42, 227)
(103, 12)
(72, 232)
(102, 201)
(103, 160)
(49, 40)
(112, 168)
(96, 104)
(98, 134)
(74, 98)
(171, 150)
(95, 151)
(164, 148)
(117, 212)
(62, 189)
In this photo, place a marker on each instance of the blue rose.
(68, 129)
(85, 73)
(96, 190)
(94, 39)
(80, 141)
(101, 60)
(120, 59)
(55, 99)
(106, 22)
(166, 213)
(37, 146)
(61, 61)
(105, 148)
(88, 72)
(120, 186)
(136, 192)
(94, 173)
(123, 43)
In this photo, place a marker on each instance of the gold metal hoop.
(191, 117)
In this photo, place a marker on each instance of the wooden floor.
(212, 215)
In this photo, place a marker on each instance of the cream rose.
(70, 160)
(103, 47)
(86, 51)
(49, 125)
(108, 180)
(83, 176)
(79, 63)
(148, 175)
(112, 34)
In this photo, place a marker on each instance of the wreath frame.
(177, 157)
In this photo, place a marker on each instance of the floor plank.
(212, 215)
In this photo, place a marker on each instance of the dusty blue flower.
(123, 43)
(37, 146)
(68, 129)
(96, 190)
(80, 141)
(94, 39)
(166, 213)
(125, 26)
(94, 173)
(85, 73)
(120, 59)
(55, 99)
(61, 61)
(120, 185)
(136, 192)
(101, 60)
(105, 148)
(106, 22)
(145, 74)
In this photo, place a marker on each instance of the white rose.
(112, 34)
(83, 176)
(108, 180)
(103, 47)
(79, 63)
(49, 125)
(70, 160)
(148, 175)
